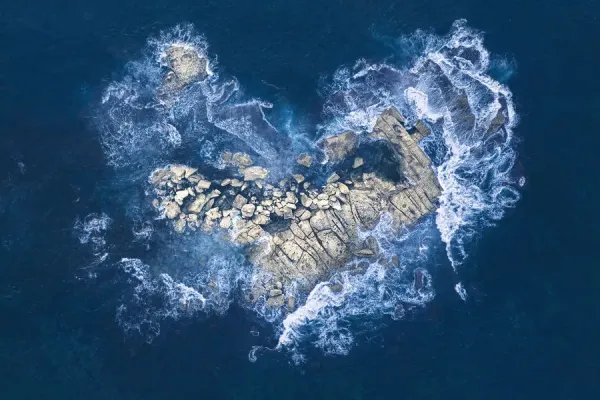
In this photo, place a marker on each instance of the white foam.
(447, 85)
(461, 291)
(474, 166)
(139, 127)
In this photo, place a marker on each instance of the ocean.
(92, 283)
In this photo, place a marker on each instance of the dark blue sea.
(513, 311)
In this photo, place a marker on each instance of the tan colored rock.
(198, 203)
(358, 162)
(242, 160)
(180, 196)
(213, 213)
(333, 178)
(343, 188)
(298, 178)
(172, 210)
(225, 223)
(186, 65)
(179, 225)
(322, 235)
(254, 173)
(305, 200)
(261, 219)
(239, 201)
(203, 185)
(304, 160)
(340, 146)
(248, 210)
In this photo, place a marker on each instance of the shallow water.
(529, 280)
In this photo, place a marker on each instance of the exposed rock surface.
(296, 231)
(338, 147)
(186, 65)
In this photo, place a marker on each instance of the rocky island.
(295, 230)
(300, 231)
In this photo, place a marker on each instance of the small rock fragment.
(358, 162)
(304, 159)
(248, 210)
(203, 185)
(299, 178)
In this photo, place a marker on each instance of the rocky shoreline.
(298, 232)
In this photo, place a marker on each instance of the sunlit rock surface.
(298, 232)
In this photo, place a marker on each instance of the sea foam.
(443, 80)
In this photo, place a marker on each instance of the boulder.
(239, 201)
(254, 173)
(340, 146)
(186, 65)
(241, 160)
(172, 210)
(248, 210)
(304, 159)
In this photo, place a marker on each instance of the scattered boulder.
(254, 173)
(172, 210)
(248, 210)
(239, 201)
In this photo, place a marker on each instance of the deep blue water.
(531, 325)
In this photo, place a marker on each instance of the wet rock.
(336, 288)
(239, 201)
(179, 225)
(203, 185)
(197, 204)
(316, 232)
(274, 302)
(333, 178)
(248, 210)
(172, 210)
(275, 292)
(298, 177)
(291, 303)
(358, 162)
(304, 159)
(254, 173)
(241, 160)
(186, 65)
(340, 146)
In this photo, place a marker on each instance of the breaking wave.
(443, 80)
(471, 116)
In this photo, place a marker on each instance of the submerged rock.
(304, 159)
